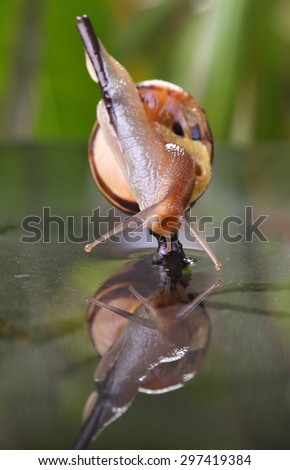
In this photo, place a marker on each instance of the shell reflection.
(152, 336)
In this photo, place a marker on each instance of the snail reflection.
(151, 150)
(151, 333)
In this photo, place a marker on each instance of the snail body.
(152, 148)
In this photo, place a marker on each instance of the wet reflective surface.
(240, 396)
(153, 344)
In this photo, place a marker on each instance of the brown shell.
(170, 106)
(176, 116)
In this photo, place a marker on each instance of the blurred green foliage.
(233, 55)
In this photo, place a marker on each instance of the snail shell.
(178, 118)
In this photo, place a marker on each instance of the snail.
(151, 150)
(149, 345)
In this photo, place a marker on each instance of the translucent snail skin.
(151, 149)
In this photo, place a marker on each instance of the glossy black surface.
(240, 397)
